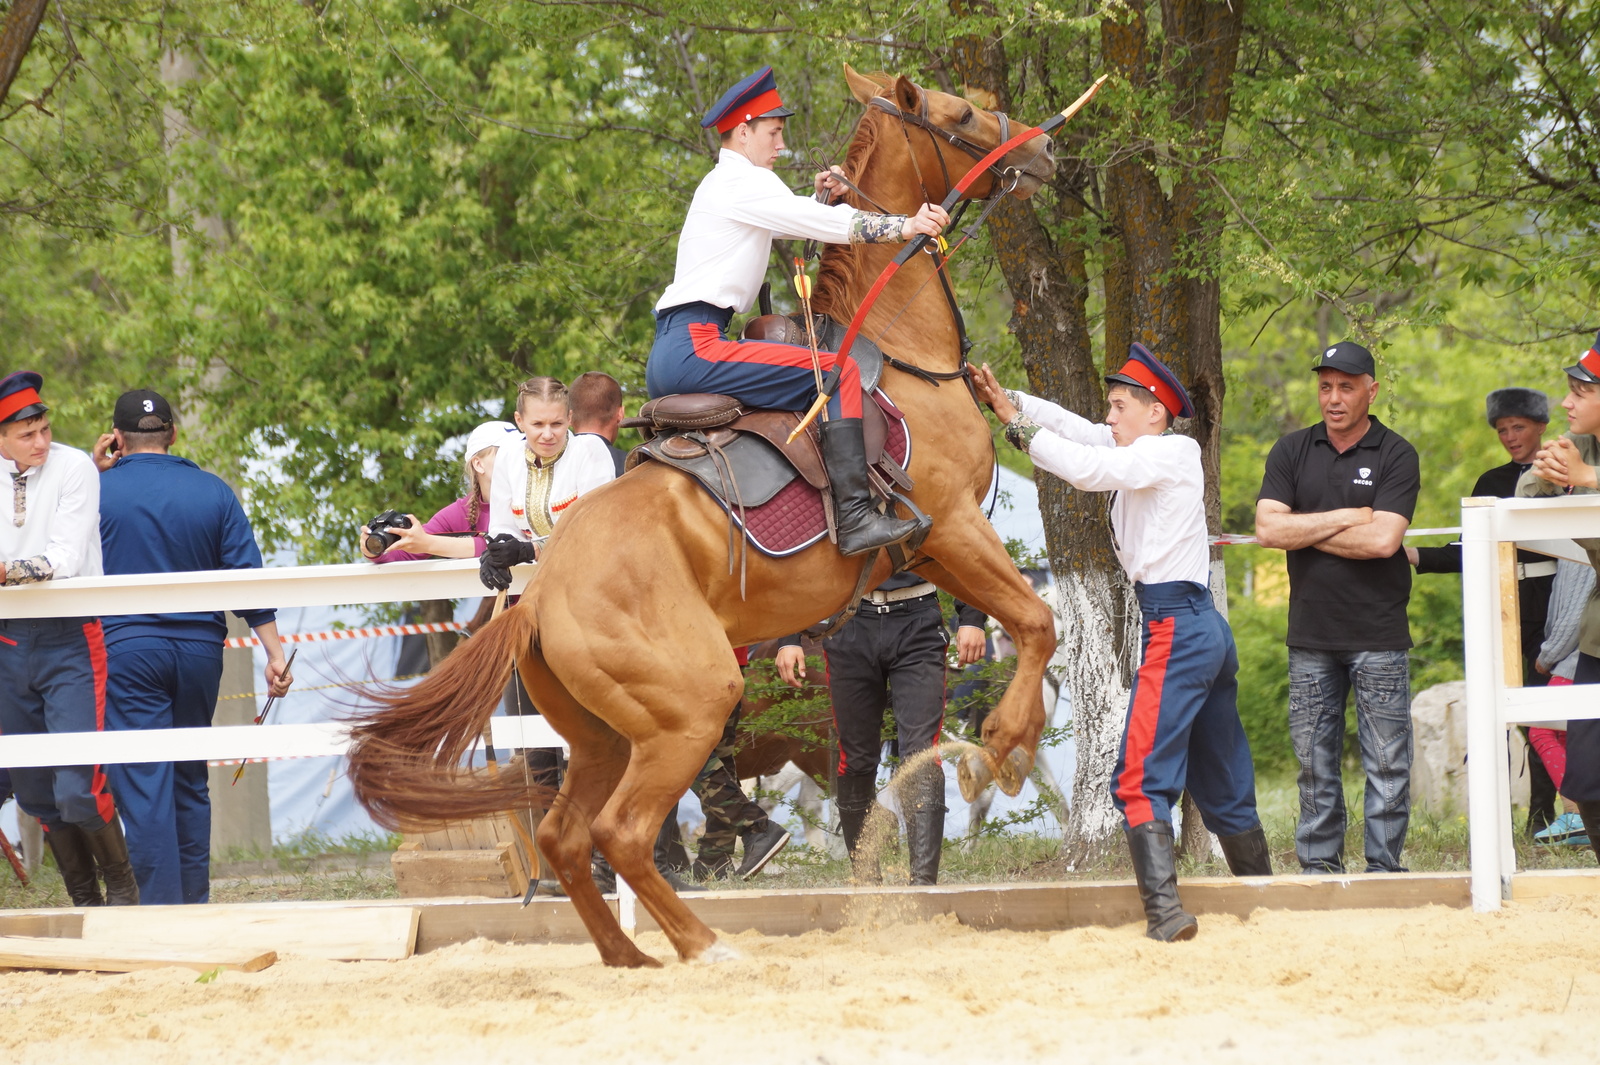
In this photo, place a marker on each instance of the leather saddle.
(743, 455)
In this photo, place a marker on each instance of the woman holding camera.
(458, 530)
(534, 484)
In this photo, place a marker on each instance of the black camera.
(379, 538)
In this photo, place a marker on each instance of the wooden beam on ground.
(24, 952)
(497, 873)
(1551, 883)
(354, 933)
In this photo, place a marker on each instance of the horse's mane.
(841, 263)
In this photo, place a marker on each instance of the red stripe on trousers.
(95, 636)
(712, 346)
(1142, 722)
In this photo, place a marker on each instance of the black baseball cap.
(1349, 357)
(134, 406)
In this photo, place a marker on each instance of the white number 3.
(149, 407)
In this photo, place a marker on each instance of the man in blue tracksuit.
(163, 514)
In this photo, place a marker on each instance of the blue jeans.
(1319, 682)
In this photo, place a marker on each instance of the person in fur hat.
(1519, 416)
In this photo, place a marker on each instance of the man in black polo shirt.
(1338, 498)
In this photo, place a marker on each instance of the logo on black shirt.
(1365, 472)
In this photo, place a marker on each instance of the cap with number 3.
(133, 407)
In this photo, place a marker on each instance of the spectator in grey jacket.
(1558, 659)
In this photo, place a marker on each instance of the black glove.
(493, 577)
(507, 550)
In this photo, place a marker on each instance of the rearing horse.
(624, 635)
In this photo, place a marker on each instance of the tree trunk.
(16, 37)
(1049, 287)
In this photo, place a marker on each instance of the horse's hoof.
(1012, 773)
(975, 772)
(717, 952)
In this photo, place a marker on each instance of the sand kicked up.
(1434, 985)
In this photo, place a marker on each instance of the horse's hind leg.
(595, 764)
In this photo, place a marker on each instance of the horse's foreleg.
(595, 765)
(971, 564)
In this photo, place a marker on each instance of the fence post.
(1480, 614)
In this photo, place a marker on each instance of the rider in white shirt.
(737, 211)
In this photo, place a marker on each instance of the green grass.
(1434, 844)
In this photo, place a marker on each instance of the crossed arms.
(1353, 532)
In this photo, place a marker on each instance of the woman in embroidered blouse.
(534, 484)
(458, 530)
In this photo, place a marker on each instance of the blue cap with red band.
(1588, 365)
(754, 97)
(19, 397)
(1144, 370)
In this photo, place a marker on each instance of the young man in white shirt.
(1183, 728)
(722, 255)
(53, 670)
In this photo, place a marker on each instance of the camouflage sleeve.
(1020, 432)
(869, 228)
(28, 570)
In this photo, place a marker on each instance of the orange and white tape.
(354, 634)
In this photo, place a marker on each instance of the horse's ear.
(907, 96)
(862, 87)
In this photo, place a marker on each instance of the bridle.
(921, 120)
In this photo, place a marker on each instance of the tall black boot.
(1151, 847)
(854, 796)
(110, 852)
(1590, 812)
(669, 845)
(861, 526)
(75, 861)
(1247, 853)
(925, 826)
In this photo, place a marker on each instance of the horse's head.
(948, 134)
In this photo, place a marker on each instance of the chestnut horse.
(624, 636)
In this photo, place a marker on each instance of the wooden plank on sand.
(358, 933)
(24, 952)
(496, 873)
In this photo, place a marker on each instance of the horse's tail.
(405, 757)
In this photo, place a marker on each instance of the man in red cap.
(1570, 465)
(1182, 729)
(53, 670)
(737, 211)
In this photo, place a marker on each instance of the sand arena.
(1430, 984)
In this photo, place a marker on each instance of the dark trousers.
(53, 679)
(1582, 782)
(157, 683)
(887, 657)
(1183, 728)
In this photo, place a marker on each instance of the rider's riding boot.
(75, 862)
(925, 825)
(1151, 847)
(855, 796)
(861, 526)
(1590, 812)
(110, 852)
(1247, 853)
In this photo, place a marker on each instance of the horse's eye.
(966, 116)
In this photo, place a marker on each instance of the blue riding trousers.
(1183, 728)
(53, 679)
(691, 354)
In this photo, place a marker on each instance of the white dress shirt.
(584, 464)
(727, 237)
(1159, 515)
(62, 518)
